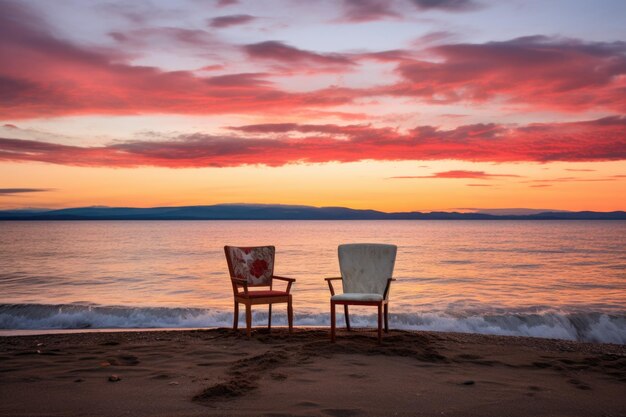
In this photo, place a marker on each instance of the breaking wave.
(588, 327)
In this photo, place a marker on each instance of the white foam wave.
(590, 327)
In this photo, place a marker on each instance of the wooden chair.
(366, 275)
(254, 267)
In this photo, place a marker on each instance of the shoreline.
(8, 333)
(589, 326)
(43, 332)
(500, 218)
(221, 372)
(282, 332)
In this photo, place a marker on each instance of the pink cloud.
(447, 5)
(395, 55)
(146, 36)
(358, 11)
(13, 191)
(238, 80)
(230, 20)
(456, 174)
(559, 74)
(225, 3)
(533, 72)
(332, 129)
(276, 145)
(435, 37)
(214, 67)
(283, 53)
(79, 81)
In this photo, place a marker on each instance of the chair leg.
(236, 316)
(248, 320)
(386, 318)
(290, 314)
(380, 323)
(269, 318)
(332, 322)
(347, 315)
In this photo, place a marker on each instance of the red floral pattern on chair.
(255, 265)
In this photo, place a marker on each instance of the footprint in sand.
(579, 384)
(123, 360)
(343, 412)
(161, 376)
(278, 376)
(307, 404)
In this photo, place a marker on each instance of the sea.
(549, 279)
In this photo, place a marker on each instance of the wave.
(588, 327)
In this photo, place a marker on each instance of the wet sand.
(222, 373)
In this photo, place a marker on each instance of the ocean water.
(557, 279)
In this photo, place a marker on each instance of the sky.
(391, 105)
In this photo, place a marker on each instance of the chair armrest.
(387, 287)
(284, 279)
(237, 282)
(330, 284)
(289, 282)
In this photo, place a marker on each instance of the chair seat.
(265, 293)
(356, 297)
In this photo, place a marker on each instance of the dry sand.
(221, 373)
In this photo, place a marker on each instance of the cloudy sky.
(391, 105)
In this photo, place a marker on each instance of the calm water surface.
(563, 279)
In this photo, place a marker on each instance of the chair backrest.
(366, 267)
(254, 264)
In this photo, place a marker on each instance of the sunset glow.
(390, 105)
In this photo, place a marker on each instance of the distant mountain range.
(282, 212)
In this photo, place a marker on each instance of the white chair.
(366, 275)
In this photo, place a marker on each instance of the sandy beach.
(220, 372)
